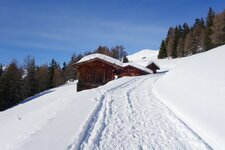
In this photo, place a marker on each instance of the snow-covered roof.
(150, 62)
(115, 61)
(137, 66)
(102, 57)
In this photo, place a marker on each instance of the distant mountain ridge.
(143, 54)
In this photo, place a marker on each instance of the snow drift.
(195, 90)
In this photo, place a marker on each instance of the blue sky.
(49, 29)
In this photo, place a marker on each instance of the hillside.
(180, 109)
(195, 90)
(143, 54)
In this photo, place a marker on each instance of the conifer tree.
(175, 42)
(186, 30)
(218, 29)
(162, 51)
(194, 40)
(1, 70)
(70, 73)
(64, 66)
(125, 59)
(58, 78)
(53, 66)
(188, 44)
(10, 86)
(170, 42)
(208, 31)
(42, 78)
(181, 42)
(29, 87)
(180, 47)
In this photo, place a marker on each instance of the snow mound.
(195, 90)
(143, 54)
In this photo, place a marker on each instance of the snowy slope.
(50, 120)
(127, 113)
(195, 90)
(122, 114)
(130, 117)
(143, 54)
(143, 57)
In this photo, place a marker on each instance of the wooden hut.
(95, 70)
(98, 69)
(132, 69)
(153, 66)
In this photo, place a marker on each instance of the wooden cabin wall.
(94, 74)
(131, 71)
(152, 67)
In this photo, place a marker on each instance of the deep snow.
(123, 114)
(195, 90)
(129, 117)
(50, 120)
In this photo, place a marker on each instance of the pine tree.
(53, 66)
(42, 78)
(188, 44)
(180, 47)
(186, 30)
(170, 42)
(218, 29)
(181, 42)
(29, 87)
(64, 66)
(162, 51)
(125, 59)
(1, 70)
(208, 31)
(175, 42)
(10, 86)
(185, 41)
(58, 78)
(194, 39)
(70, 72)
(197, 29)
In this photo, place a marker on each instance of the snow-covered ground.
(50, 120)
(143, 54)
(131, 118)
(123, 114)
(180, 109)
(195, 90)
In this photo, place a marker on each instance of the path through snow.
(129, 117)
